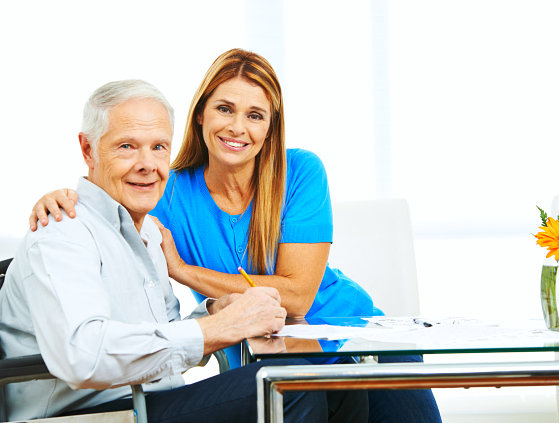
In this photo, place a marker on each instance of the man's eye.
(159, 147)
(126, 146)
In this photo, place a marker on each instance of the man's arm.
(84, 346)
(80, 343)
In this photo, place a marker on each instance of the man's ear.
(87, 150)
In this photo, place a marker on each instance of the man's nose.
(146, 160)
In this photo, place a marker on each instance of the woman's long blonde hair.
(268, 180)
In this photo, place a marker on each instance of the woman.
(236, 197)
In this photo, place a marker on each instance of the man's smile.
(142, 185)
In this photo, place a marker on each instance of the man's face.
(132, 163)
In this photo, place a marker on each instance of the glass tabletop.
(380, 335)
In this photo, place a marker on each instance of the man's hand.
(268, 344)
(51, 203)
(257, 312)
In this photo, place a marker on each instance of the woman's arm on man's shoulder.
(51, 203)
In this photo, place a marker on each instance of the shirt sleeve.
(201, 310)
(71, 313)
(307, 213)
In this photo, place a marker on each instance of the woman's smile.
(233, 144)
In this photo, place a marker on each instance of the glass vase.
(548, 294)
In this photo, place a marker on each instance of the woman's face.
(235, 122)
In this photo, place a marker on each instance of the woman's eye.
(255, 116)
(224, 109)
(159, 147)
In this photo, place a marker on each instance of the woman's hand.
(222, 302)
(52, 202)
(174, 261)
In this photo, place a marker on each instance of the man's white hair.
(95, 121)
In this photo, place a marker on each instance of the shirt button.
(151, 284)
(234, 220)
(239, 249)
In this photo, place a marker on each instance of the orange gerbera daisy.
(549, 238)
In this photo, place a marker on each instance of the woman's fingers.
(52, 202)
(69, 201)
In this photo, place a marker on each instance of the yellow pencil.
(247, 277)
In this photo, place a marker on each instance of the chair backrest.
(373, 245)
(3, 269)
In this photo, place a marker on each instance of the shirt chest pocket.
(126, 286)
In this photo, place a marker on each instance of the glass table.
(367, 338)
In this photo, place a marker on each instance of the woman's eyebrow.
(231, 103)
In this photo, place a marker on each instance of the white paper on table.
(331, 332)
(447, 332)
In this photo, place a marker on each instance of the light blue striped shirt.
(93, 297)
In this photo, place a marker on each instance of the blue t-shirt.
(206, 236)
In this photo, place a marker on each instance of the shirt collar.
(114, 212)
(98, 199)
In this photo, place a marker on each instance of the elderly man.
(92, 294)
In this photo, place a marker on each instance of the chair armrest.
(21, 369)
(221, 358)
(32, 367)
(222, 361)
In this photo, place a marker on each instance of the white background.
(450, 104)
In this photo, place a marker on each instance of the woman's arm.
(299, 271)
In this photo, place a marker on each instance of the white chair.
(373, 245)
